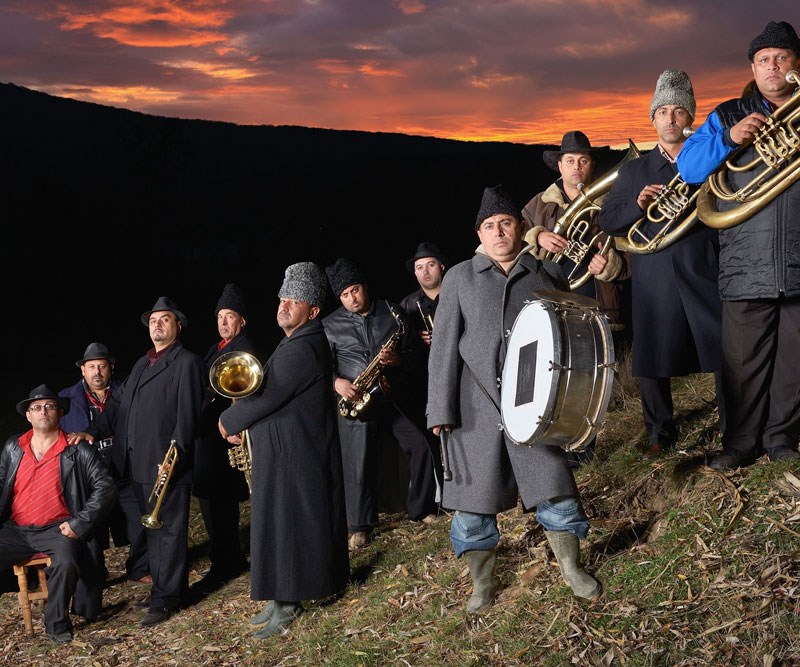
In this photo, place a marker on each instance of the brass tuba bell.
(235, 375)
(777, 144)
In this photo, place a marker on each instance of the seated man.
(53, 497)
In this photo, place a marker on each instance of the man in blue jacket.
(759, 266)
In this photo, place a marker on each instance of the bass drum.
(558, 372)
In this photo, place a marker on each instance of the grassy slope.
(699, 568)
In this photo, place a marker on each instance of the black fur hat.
(232, 299)
(342, 274)
(775, 36)
(496, 200)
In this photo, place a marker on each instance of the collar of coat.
(526, 248)
(555, 194)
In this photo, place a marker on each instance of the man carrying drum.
(480, 299)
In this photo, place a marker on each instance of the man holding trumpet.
(159, 403)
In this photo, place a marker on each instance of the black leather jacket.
(356, 340)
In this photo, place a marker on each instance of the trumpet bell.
(236, 374)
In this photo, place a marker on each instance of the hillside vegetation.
(699, 568)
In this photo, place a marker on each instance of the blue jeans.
(470, 531)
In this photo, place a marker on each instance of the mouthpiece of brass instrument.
(688, 131)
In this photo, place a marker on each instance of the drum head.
(528, 383)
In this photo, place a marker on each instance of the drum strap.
(483, 389)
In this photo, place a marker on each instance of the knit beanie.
(775, 36)
(306, 282)
(673, 87)
(342, 274)
(496, 200)
(232, 299)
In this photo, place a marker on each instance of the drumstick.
(447, 474)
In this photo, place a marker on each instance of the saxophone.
(371, 380)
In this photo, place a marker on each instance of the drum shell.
(558, 372)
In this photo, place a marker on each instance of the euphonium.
(777, 144)
(236, 375)
(163, 476)
(672, 203)
(574, 224)
(371, 380)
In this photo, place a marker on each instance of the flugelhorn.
(235, 375)
(163, 476)
(777, 144)
(574, 224)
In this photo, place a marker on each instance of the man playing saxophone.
(676, 309)
(357, 333)
(759, 277)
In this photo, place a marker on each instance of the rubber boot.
(264, 615)
(283, 615)
(484, 581)
(566, 547)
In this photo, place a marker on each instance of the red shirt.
(38, 497)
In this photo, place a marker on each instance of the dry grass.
(698, 567)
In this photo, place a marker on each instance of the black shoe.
(154, 617)
(781, 453)
(729, 460)
(64, 637)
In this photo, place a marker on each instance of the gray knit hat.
(673, 87)
(304, 281)
(232, 299)
(775, 36)
(496, 200)
(342, 274)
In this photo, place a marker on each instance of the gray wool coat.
(478, 305)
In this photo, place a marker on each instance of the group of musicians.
(720, 292)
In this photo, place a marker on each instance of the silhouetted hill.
(197, 204)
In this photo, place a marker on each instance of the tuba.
(163, 476)
(574, 224)
(672, 204)
(371, 381)
(236, 375)
(776, 143)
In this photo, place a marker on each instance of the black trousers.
(221, 518)
(360, 463)
(761, 351)
(131, 503)
(168, 546)
(18, 542)
(657, 408)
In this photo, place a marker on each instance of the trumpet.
(165, 471)
(427, 319)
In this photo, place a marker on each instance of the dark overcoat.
(478, 303)
(155, 406)
(677, 314)
(298, 527)
(214, 477)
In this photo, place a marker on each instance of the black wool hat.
(574, 141)
(775, 36)
(96, 351)
(306, 282)
(342, 274)
(232, 298)
(165, 303)
(426, 249)
(40, 392)
(496, 200)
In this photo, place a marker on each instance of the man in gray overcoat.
(298, 538)
(479, 301)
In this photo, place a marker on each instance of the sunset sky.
(520, 71)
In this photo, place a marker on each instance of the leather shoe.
(729, 460)
(781, 453)
(264, 615)
(283, 615)
(154, 617)
(656, 449)
(64, 637)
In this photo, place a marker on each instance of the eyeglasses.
(49, 407)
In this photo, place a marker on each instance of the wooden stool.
(39, 561)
